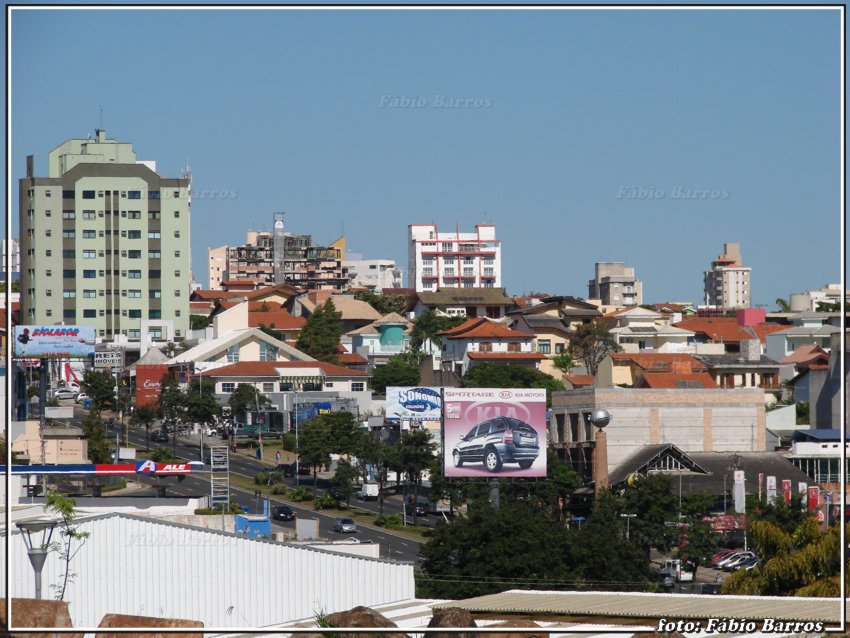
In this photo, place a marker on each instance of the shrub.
(161, 455)
(261, 478)
(324, 502)
(288, 442)
(279, 488)
(300, 494)
(391, 521)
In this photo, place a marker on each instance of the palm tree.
(783, 305)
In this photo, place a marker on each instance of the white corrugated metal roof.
(134, 565)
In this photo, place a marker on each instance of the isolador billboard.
(496, 431)
(54, 342)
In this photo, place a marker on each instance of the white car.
(82, 396)
(64, 393)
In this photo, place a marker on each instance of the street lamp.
(628, 518)
(600, 418)
(37, 552)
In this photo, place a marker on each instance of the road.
(394, 546)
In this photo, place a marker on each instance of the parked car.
(729, 565)
(421, 509)
(723, 553)
(497, 441)
(750, 563)
(345, 525)
(334, 493)
(64, 393)
(283, 513)
(82, 396)
(159, 436)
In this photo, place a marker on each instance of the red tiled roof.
(725, 329)
(267, 369)
(278, 319)
(483, 328)
(505, 355)
(670, 380)
(580, 380)
(672, 307)
(650, 360)
(764, 329)
(819, 366)
(806, 355)
(351, 359)
(213, 295)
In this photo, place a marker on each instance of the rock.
(31, 612)
(357, 617)
(149, 622)
(519, 622)
(452, 617)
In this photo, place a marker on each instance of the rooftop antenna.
(100, 120)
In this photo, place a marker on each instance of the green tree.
(654, 501)
(396, 372)
(564, 362)
(344, 477)
(498, 375)
(417, 454)
(100, 386)
(246, 398)
(145, 416)
(427, 327)
(201, 407)
(314, 447)
(375, 453)
(787, 517)
(320, 336)
(199, 322)
(385, 304)
(70, 534)
(95, 435)
(591, 343)
(344, 431)
(782, 305)
(699, 541)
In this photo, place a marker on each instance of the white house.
(483, 340)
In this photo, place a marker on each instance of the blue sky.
(568, 111)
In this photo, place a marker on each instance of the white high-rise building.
(374, 274)
(453, 259)
(727, 284)
(13, 249)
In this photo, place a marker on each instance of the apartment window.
(47, 253)
(69, 273)
(48, 292)
(89, 274)
(69, 313)
(176, 273)
(427, 271)
(69, 293)
(89, 234)
(89, 313)
(488, 272)
(134, 254)
(153, 194)
(49, 313)
(154, 274)
(153, 234)
(100, 273)
(134, 274)
(68, 214)
(176, 313)
(176, 293)
(134, 234)
(47, 193)
(449, 272)
(177, 253)
(135, 314)
(49, 233)
(68, 195)
(89, 294)
(358, 386)
(176, 194)
(514, 347)
(89, 254)
(154, 314)
(134, 294)
(544, 346)
(176, 214)
(559, 348)
(134, 194)
(107, 232)
(134, 334)
(88, 194)
(447, 247)
(233, 353)
(134, 214)
(154, 254)
(88, 214)
(268, 386)
(154, 293)
(153, 214)
(468, 272)
(268, 352)
(228, 388)
(177, 233)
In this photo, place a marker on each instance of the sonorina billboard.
(494, 432)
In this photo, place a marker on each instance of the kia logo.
(504, 394)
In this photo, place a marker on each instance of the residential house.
(354, 313)
(382, 339)
(465, 302)
(640, 330)
(625, 368)
(551, 320)
(818, 453)
(747, 368)
(729, 332)
(808, 328)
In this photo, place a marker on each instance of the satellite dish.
(600, 418)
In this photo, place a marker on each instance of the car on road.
(82, 396)
(283, 513)
(497, 441)
(159, 436)
(345, 525)
(64, 393)
(287, 469)
(334, 493)
(421, 509)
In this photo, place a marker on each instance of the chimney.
(30, 168)
(751, 349)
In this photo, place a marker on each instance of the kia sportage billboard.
(494, 432)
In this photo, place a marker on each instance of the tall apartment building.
(374, 274)
(453, 259)
(727, 284)
(615, 285)
(105, 242)
(303, 264)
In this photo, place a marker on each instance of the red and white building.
(452, 258)
(482, 340)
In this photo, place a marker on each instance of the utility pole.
(42, 420)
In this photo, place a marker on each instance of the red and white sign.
(814, 493)
(149, 384)
(786, 491)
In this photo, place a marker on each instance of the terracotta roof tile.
(351, 358)
(505, 355)
(725, 329)
(806, 354)
(278, 319)
(213, 295)
(267, 369)
(764, 329)
(675, 381)
(483, 328)
(650, 360)
(580, 380)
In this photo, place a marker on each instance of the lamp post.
(628, 518)
(37, 552)
(295, 410)
(600, 418)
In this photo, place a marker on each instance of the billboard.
(414, 404)
(307, 411)
(149, 384)
(494, 432)
(54, 342)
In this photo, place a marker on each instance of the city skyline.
(645, 137)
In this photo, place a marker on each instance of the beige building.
(695, 420)
(217, 267)
(62, 445)
(105, 242)
(614, 284)
(727, 284)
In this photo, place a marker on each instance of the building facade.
(104, 241)
(12, 251)
(727, 284)
(453, 259)
(615, 285)
(374, 274)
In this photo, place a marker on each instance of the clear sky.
(569, 114)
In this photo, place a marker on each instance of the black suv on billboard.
(497, 441)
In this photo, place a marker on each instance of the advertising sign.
(786, 491)
(107, 360)
(308, 411)
(738, 492)
(813, 494)
(771, 489)
(494, 432)
(413, 404)
(54, 342)
(149, 384)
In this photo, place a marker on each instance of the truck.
(675, 569)
(368, 492)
